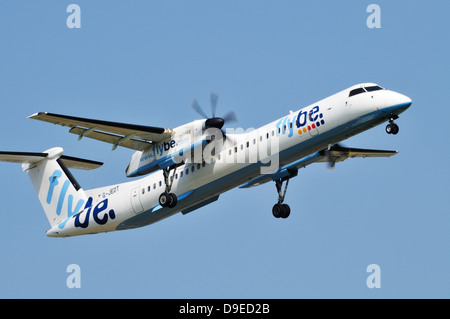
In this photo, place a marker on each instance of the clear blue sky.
(143, 61)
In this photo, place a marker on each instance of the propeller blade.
(197, 108)
(230, 117)
(214, 97)
(330, 160)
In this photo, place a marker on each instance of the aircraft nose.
(398, 103)
(405, 101)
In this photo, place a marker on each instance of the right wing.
(137, 137)
(336, 153)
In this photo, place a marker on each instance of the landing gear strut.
(280, 209)
(392, 128)
(168, 199)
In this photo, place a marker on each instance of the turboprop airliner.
(188, 167)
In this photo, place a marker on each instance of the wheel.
(165, 199)
(277, 210)
(389, 128)
(173, 200)
(286, 211)
(395, 128)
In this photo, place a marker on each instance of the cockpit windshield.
(373, 88)
(364, 89)
(356, 91)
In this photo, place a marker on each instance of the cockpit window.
(373, 88)
(356, 91)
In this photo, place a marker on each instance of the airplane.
(190, 166)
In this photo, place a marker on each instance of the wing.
(137, 137)
(335, 154)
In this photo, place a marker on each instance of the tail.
(59, 193)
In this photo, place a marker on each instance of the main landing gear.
(280, 209)
(392, 128)
(168, 199)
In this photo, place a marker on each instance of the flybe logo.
(159, 149)
(315, 120)
(71, 210)
(304, 122)
(82, 218)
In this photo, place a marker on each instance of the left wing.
(137, 137)
(335, 154)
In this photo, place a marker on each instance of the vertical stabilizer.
(59, 193)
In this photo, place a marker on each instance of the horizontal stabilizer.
(32, 158)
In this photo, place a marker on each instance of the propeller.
(214, 121)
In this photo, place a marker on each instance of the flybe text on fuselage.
(304, 121)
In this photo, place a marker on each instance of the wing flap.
(116, 140)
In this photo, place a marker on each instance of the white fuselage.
(241, 158)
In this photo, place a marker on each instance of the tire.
(277, 210)
(389, 128)
(165, 199)
(395, 129)
(286, 211)
(173, 201)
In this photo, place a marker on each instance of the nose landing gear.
(392, 128)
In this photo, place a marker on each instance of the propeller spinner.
(214, 121)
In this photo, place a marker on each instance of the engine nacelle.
(186, 140)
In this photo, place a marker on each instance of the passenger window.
(198, 166)
(160, 183)
(192, 168)
(148, 189)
